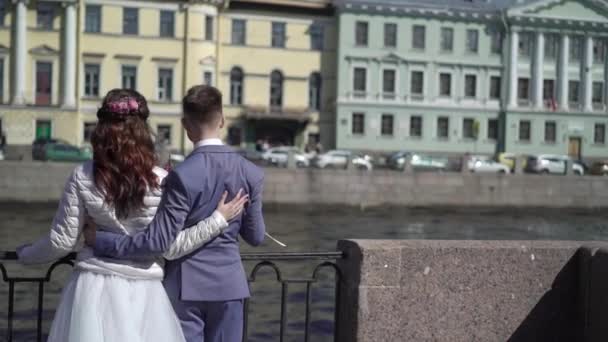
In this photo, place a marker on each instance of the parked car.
(552, 164)
(279, 156)
(472, 160)
(338, 159)
(599, 168)
(488, 166)
(396, 161)
(60, 151)
(39, 147)
(421, 162)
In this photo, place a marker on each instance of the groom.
(208, 287)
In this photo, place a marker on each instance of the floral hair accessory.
(124, 106)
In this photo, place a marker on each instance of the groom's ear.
(222, 122)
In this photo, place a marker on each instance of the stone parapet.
(424, 290)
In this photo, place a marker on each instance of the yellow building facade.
(276, 70)
(59, 58)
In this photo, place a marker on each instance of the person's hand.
(89, 232)
(233, 208)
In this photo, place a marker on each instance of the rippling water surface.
(308, 229)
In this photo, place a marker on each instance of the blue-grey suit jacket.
(192, 191)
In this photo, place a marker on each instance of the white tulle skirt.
(105, 308)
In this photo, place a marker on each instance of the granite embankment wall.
(39, 181)
(520, 291)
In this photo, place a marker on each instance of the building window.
(360, 81)
(524, 130)
(523, 89)
(496, 42)
(316, 37)
(416, 126)
(314, 91)
(278, 35)
(129, 77)
(495, 85)
(551, 46)
(445, 84)
(239, 27)
(492, 129)
(88, 129)
(236, 86)
(548, 90)
(2, 15)
(208, 78)
(470, 86)
(390, 35)
(92, 22)
(576, 48)
(276, 89)
(419, 37)
(525, 44)
(447, 39)
(44, 129)
(599, 50)
(600, 133)
(550, 131)
(468, 129)
(167, 24)
(417, 83)
(91, 80)
(472, 41)
(597, 95)
(44, 83)
(130, 20)
(45, 15)
(1, 83)
(574, 93)
(361, 32)
(209, 27)
(358, 123)
(163, 134)
(387, 125)
(165, 84)
(388, 83)
(443, 127)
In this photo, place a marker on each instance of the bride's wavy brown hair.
(123, 151)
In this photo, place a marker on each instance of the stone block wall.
(424, 290)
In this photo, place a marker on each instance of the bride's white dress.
(108, 300)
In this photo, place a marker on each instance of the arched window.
(236, 86)
(276, 89)
(314, 91)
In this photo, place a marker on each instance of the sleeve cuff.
(219, 219)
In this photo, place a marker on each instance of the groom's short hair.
(203, 103)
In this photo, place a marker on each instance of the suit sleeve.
(160, 233)
(65, 229)
(253, 227)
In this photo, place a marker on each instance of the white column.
(69, 56)
(539, 59)
(19, 53)
(513, 65)
(564, 49)
(588, 75)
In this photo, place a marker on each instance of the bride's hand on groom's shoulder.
(89, 230)
(234, 208)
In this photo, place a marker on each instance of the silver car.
(552, 164)
(338, 159)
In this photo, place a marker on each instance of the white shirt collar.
(209, 142)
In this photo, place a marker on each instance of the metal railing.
(262, 261)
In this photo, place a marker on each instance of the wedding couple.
(141, 216)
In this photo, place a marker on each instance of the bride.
(109, 300)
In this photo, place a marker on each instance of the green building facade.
(478, 76)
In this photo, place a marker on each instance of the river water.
(308, 229)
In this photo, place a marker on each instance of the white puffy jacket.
(81, 198)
